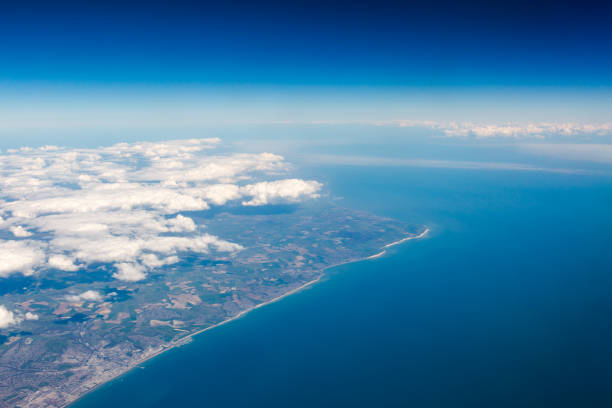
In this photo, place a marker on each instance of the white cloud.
(62, 262)
(543, 130)
(152, 261)
(291, 190)
(31, 316)
(181, 224)
(122, 204)
(87, 296)
(19, 231)
(20, 256)
(108, 197)
(7, 318)
(219, 194)
(129, 272)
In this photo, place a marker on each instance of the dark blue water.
(507, 304)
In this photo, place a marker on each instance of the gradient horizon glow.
(76, 67)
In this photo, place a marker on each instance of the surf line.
(381, 253)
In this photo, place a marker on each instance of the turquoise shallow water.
(507, 303)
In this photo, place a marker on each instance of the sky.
(436, 43)
(121, 66)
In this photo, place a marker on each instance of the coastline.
(421, 235)
(381, 253)
(98, 382)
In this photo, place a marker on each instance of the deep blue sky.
(339, 43)
(89, 67)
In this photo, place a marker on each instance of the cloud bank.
(121, 205)
(544, 130)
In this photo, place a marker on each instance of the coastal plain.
(79, 344)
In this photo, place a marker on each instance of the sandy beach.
(381, 253)
(421, 235)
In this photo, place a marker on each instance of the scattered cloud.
(62, 262)
(123, 205)
(129, 272)
(87, 296)
(7, 318)
(19, 231)
(180, 224)
(11, 318)
(20, 256)
(152, 261)
(31, 316)
(291, 190)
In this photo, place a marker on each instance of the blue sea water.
(506, 304)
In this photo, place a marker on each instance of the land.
(75, 346)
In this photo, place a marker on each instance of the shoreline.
(421, 235)
(381, 253)
(188, 337)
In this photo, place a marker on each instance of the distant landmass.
(110, 328)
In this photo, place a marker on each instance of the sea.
(506, 303)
